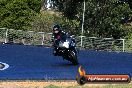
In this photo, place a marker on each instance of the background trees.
(105, 18)
(18, 14)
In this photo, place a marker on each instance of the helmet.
(56, 27)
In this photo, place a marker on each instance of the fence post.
(6, 35)
(31, 35)
(20, 38)
(42, 34)
(123, 40)
(43, 39)
(51, 34)
(123, 44)
(81, 40)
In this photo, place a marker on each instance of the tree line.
(103, 18)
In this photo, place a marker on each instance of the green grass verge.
(85, 86)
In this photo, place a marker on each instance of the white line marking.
(5, 66)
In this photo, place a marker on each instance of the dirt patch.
(42, 84)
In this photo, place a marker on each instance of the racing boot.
(54, 52)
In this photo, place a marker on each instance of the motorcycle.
(67, 49)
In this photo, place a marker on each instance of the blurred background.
(96, 25)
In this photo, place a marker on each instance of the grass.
(86, 86)
(52, 86)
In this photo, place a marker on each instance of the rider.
(57, 34)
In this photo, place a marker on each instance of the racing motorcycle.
(67, 49)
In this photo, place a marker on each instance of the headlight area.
(66, 44)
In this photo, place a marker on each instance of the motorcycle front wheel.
(72, 57)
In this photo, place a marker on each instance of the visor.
(56, 29)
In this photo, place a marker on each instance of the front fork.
(62, 52)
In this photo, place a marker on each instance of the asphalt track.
(34, 62)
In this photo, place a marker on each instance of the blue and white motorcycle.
(67, 49)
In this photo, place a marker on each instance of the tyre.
(72, 57)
